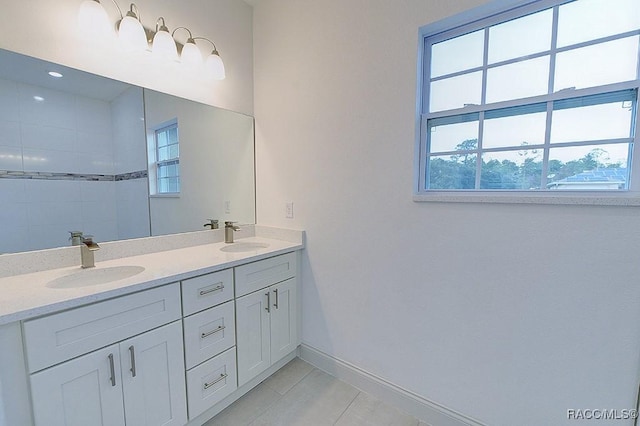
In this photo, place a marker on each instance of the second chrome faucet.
(229, 227)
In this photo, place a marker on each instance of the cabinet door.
(253, 334)
(84, 391)
(153, 377)
(284, 330)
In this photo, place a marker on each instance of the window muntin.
(167, 159)
(519, 115)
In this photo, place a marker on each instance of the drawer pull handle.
(275, 305)
(268, 307)
(132, 353)
(211, 290)
(112, 370)
(209, 333)
(219, 379)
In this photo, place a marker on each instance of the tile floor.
(300, 394)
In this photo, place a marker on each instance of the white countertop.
(27, 295)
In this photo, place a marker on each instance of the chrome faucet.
(229, 227)
(87, 248)
(213, 223)
(75, 238)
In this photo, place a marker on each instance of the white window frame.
(155, 165)
(474, 19)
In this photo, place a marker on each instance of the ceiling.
(25, 69)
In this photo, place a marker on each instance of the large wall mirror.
(80, 152)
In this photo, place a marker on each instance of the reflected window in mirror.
(166, 159)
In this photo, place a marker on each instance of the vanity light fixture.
(190, 55)
(163, 44)
(93, 19)
(214, 64)
(131, 32)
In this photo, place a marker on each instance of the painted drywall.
(510, 314)
(48, 30)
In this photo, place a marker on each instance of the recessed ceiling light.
(38, 98)
(55, 74)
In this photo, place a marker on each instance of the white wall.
(47, 29)
(510, 314)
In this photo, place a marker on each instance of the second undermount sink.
(243, 246)
(94, 276)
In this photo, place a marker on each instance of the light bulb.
(93, 21)
(214, 66)
(164, 45)
(131, 33)
(191, 55)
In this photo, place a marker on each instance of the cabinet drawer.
(261, 274)
(208, 333)
(58, 337)
(211, 382)
(206, 291)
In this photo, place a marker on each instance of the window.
(542, 98)
(166, 158)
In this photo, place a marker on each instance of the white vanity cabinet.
(171, 355)
(266, 317)
(131, 376)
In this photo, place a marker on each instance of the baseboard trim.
(427, 411)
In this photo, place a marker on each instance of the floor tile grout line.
(280, 396)
(294, 385)
(347, 408)
(265, 409)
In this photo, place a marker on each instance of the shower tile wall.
(70, 134)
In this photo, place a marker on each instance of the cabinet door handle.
(112, 370)
(209, 333)
(219, 379)
(276, 304)
(132, 353)
(211, 290)
(268, 308)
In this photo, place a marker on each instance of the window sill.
(625, 199)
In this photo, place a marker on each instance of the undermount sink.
(94, 276)
(240, 247)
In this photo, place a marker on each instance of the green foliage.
(459, 171)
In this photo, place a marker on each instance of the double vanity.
(153, 338)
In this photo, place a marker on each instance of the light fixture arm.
(133, 13)
(182, 28)
(215, 50)
(116, 5)
(161, 27)
(189, 40)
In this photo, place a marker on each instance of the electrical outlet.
(289, 209)
(227, 207)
